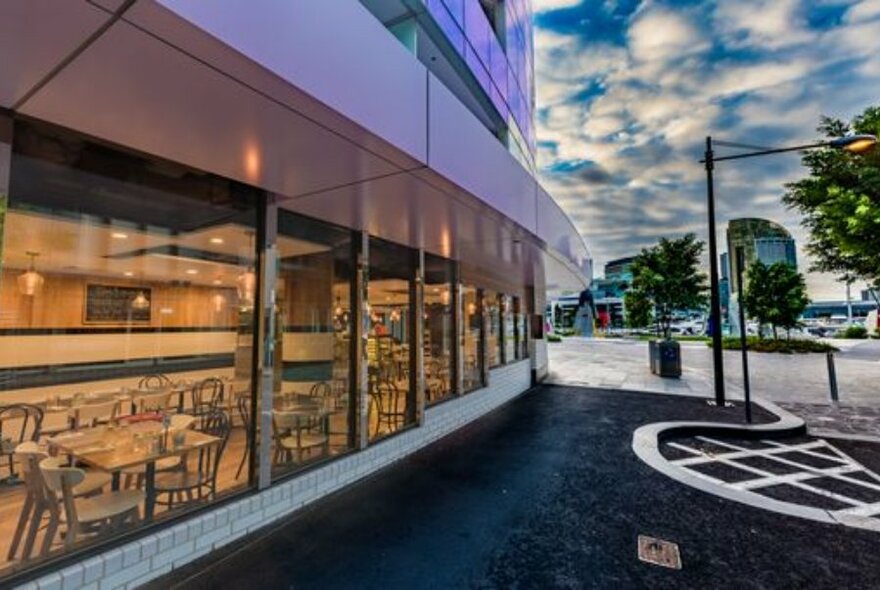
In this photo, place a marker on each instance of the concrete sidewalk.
(543, 493)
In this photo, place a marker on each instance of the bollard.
(832, 377)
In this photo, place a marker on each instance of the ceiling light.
(216, 240)
(192, 271)
(118, 235)
(128, 273)
(217, 282)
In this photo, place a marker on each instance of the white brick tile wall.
(158, 553)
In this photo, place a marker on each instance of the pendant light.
(140, 301)
(29, 282)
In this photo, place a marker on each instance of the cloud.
(627, 91)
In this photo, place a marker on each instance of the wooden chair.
(207, 396)
(154, 381)
(295, 433)
(97, 514)
(39, 501)
(244, 412)
(151, 402)
(18, 423)
(55, 422)
(91, 414)
(197, 482)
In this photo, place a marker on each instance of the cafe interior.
(130, 295)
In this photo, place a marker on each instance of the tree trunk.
(775, 334)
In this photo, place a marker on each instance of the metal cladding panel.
(461, 149)
(135, 91)
(35, 36)
(556, 229)
(320, 47)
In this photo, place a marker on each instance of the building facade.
(760, 239)
(253, 252)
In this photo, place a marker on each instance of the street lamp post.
(850, 143)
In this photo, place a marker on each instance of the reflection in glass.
(389, 367)
(472, 338)
(494, 342)
(509, 331)
(313, 413)
(439, 335)
(133, 339)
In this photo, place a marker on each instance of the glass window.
(472, 338)
(494, 342)
(508, 332)
(127, 293)
(439, 345)
(390, 358)
(313, 414)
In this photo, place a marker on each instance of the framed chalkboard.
(113, 304)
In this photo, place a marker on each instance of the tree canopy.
(775, 295)
(840, 202)
(668, 275)
(638, 310)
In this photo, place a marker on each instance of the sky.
(628, 90)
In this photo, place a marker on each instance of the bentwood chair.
(18, 423)
(97, 514)
(296, 433)
(386, 400)
(154, 381)
(197, 482)
(39, 501)
(207, 395)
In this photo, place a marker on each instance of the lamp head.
(855, 144)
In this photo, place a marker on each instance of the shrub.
(854, 332)
(554, 338)
(756, 344)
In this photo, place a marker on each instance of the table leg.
(114, 482)
(150, 489)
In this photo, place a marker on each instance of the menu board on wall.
(116, 304)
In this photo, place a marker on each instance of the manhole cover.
(659, 552)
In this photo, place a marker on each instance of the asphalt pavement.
(542, 493)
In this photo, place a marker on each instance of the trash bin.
(665, 358)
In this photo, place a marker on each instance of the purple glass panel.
(498, 69)
(456, 9)
(478, 31)
(445, 20)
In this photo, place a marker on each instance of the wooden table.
(115, 449)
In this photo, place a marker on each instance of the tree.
(638, 309)
(775, 295)
(668, 275)
(840, 202)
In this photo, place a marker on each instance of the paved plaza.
(796, 378)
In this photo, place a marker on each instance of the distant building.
(620, 269)
(838, 309)
(761, 239)
(725, 266)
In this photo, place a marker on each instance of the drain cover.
(659, 552)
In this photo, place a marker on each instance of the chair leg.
(51, 531)
(244, 457)
(23, 518)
